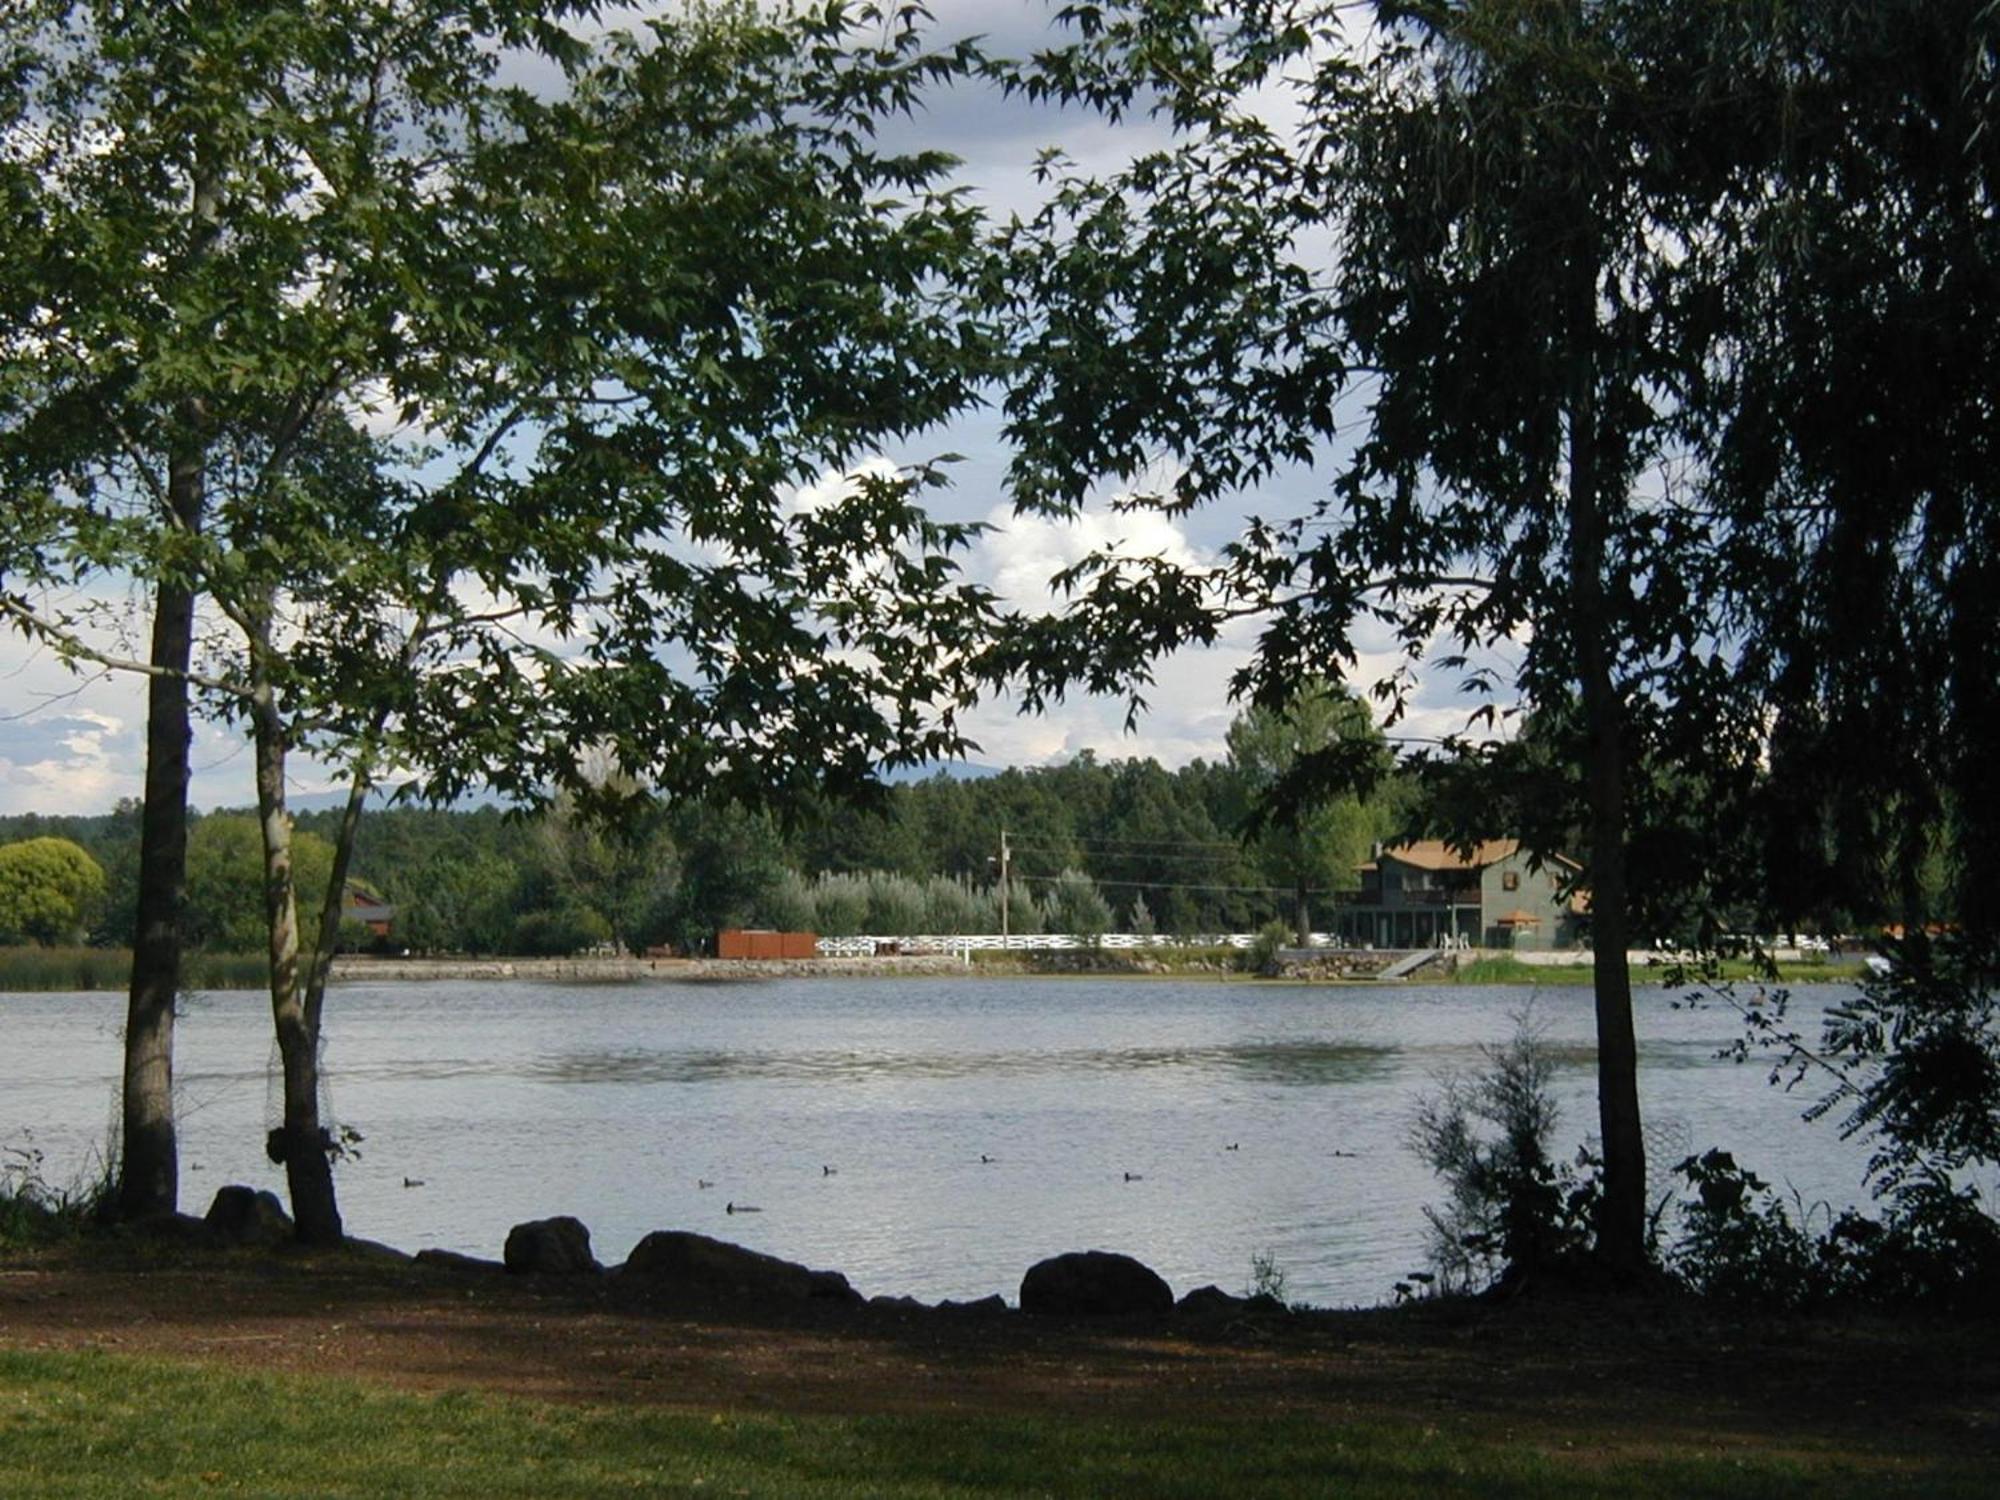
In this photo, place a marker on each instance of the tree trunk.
(1621, 1219)
(301, 1143)
(1303, 914)
(149, 1156)
(149, 1167)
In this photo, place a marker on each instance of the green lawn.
(1504, 969)
(100, 1425)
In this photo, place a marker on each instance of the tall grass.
(33, 1211)
(39, 970)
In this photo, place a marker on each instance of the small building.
(1426, 894)
(752, 942)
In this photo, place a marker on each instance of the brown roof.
(1520, 918)
(1436, 854)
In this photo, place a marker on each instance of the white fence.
(1035, 942)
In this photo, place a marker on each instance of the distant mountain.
(957, 770)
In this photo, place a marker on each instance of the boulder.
(983, 1307)
(1093, 1283)
(554, 1247)
(1208, 1301)
(1213, 1301)
(676, 1260)
(451, 1260)
(248, 1216)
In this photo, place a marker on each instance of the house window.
(1510, 880)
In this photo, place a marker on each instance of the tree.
(1316, 840)
(1514, 348)
(225, 885)
(50, 890)
(1075, 906)
(484, 407)
(1859, 280)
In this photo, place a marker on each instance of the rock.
(554, 1247)
(984, 1307)
(451, 1260)
(1093, 1283)
(248, 1216)
(1206, 1301)
(677, 1260)
(1213, 1301)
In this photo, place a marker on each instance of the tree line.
(1093, 846)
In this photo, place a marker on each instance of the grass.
(37, 969)
(1169, 962)
(1505, 969)
(91, 1425)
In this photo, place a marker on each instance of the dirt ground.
(1624, 1374)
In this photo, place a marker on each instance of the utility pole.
(1005, 855)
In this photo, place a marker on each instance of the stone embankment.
(362, 970)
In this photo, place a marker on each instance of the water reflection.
(1296, 1063)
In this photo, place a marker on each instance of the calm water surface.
(509, 1101)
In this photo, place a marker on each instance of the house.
(371, 911)
(1426, 894)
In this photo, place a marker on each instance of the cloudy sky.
(75, 744)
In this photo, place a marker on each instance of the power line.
(1086, 845)
(1162, 885)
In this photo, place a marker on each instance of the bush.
(1261, 957)
(1914, 1066)
(1738, 1241)
(559, 933)
(1511, 1210)
(1075, 906)
(33, 1212)
(840, 903)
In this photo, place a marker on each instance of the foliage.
(560, 933)
(493, 422)
(225, 900)
(34, 1212)
(50, 891)
(1261, 957)
(1559, 295)
(1511, 1209)
(1739, 1242)
(1913, 1066)
(1267, 1277)
(1075, 906)
(1933, 1245)
(1311, 840)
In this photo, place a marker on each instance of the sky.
(74, 744)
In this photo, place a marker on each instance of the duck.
(985, 1160)
(1233, 1146)
(829, 1171)
(1133, 1177)
(410, 1182)
(740, 1208)
(703, 1182)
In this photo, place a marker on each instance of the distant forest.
(1094, 845)
(1109, 845)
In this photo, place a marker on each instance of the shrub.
(1510, 1209)
(1261, 957)
(1075, 906)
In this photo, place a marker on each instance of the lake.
(972, 1126)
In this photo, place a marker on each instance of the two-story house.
(1426, 894)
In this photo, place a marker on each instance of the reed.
(33, 969)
